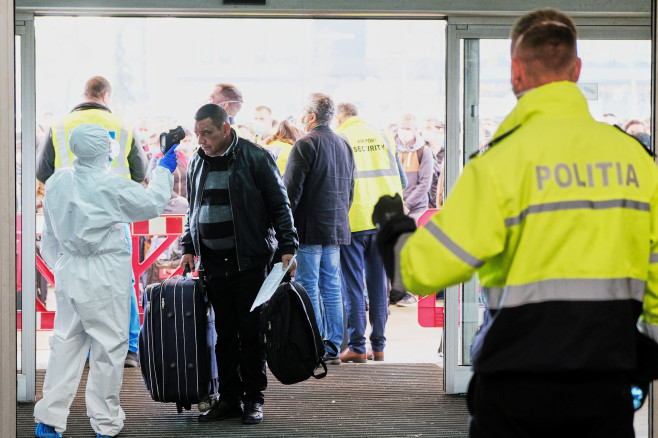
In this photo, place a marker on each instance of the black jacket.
(259, 204)
(319, 177)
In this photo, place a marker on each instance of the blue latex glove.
(169, 161)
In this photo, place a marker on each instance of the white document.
(270, 284)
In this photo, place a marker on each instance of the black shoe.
(253, 413)
(132, 360)
(221, 411)
(331, 360)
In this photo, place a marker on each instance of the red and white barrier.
(170, 226)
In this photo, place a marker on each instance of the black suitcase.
(177, 344)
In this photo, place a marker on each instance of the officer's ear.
(106, 98)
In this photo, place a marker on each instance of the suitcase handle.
(186, 270)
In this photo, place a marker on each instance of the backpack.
(290, 336)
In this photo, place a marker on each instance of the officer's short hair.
(215, 113)
(230, 94)
(96, 87)
(545, 38)
(347, 109)
(322, 106)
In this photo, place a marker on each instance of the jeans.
(360, 255)
(318, 271)
(133, 334)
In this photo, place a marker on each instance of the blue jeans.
(360, 255)
(318, 270)
(133, 334)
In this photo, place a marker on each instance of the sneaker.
(253, 413)
(331, 360)
(222, 411)
(132, 360)
(408, 300)
(45, 431)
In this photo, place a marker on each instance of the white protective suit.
(83, 238)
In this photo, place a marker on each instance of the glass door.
(25, 209)
(616, 80)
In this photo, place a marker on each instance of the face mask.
(259, 128)
(405, 135)
(143, 136)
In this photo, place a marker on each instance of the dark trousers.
(240, 358)
(536, 406)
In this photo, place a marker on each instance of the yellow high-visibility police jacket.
(559, 218)
(281, 151)
(376, 170)
(123, 134)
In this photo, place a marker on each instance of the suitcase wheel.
(206, 404)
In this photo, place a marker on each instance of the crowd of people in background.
(420, 145)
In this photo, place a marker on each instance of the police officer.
(377, 173)
(559, 218)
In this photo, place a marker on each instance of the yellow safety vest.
(122, 134)
(559, 216)
(376, 172)
(281, 151)
(236, 128)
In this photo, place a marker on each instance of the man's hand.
(387, 207)
(188, 260)
(289, 258)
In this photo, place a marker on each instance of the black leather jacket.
(259, 202)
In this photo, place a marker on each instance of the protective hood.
(90, 143)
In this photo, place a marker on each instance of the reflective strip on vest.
(572, 205)
(391, 171)
(457, 250)
(565, 289)
(653, 258)
(63, 155)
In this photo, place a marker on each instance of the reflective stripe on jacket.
(376, 172)
(560, 221)
(61, 132)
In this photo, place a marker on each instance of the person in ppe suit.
(83, 238)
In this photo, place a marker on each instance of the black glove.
(386, 208)
(388, 215)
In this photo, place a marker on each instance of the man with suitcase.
(237, 203)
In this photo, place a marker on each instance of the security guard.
(54, 152)
(377, 173)
(559, 218)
